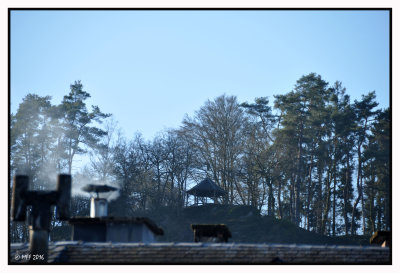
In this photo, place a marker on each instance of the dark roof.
(207, 188)
(109, 219)
(205, 253)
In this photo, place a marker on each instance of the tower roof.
(206, 188)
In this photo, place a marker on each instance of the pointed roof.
(207, 188)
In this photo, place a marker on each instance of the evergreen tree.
(365, 113)
(377, 175)
(30, 139)
(76, 122)
(299, 114)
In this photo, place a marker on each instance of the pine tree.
(300, 110)
(365, 113)
(76, 122)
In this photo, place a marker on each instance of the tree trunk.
(298, 176)
(352, 228)
(309, 194)
(346, 195)
(327, 199)
(334, 199)
(372, 210)
(279, 198)
(379, 205)
(326, 211)
(271, 200)
(319, 202)
(388, 210)
(359, 189)
(291, 206)
(362, 208)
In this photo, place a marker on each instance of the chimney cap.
(98, 188)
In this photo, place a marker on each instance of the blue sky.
(150, 68)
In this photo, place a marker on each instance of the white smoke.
(49, 159)
(48, 174)
(84, 178)
(47, 178)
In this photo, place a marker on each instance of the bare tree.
(216, 132)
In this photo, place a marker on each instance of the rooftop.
(112, 220)
(73, 252)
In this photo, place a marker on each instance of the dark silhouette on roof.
(381, 237)
(207, 188)
(211, 233)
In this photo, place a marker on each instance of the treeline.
(312, 156)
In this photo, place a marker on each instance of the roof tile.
(206, 253)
